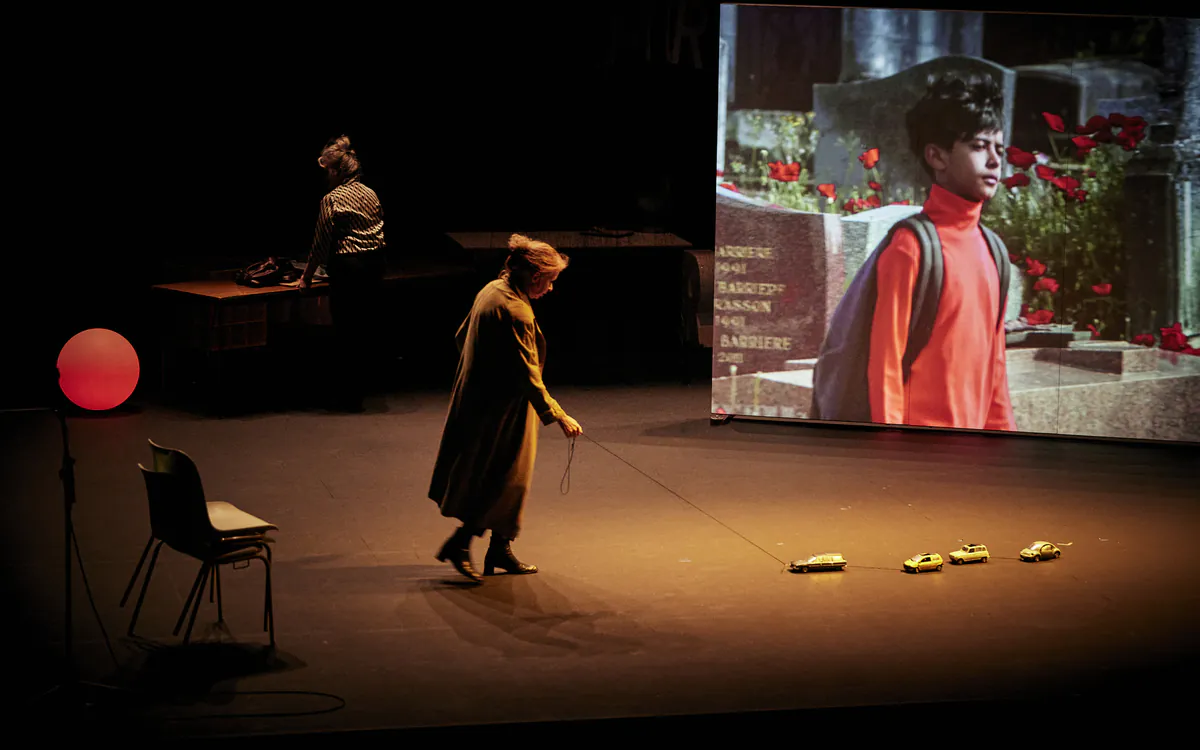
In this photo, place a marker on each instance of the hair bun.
(518, 241)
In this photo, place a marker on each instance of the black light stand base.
(72, 699)
(81, 706)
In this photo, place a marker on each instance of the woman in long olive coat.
(489, 443)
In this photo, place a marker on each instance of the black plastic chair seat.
(228, 519)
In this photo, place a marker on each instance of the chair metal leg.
(145, 585)
(270, 591)
(196, 592)
(269, 610)
(212, 585)
(137, 571)
(220, 605)
(187, 637)
(267, 618)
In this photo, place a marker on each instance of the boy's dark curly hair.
(954, 109)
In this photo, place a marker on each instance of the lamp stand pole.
(75, 696)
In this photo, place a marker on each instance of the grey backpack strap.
(1003, 267)
(927, 291)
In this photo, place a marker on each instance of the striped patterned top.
(350, 221)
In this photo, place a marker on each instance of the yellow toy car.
(1040, 551)
(828, 561)
(923, 561)
(970, 553)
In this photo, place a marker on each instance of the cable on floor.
(567, 480)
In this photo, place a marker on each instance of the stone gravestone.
(1149, 234)
(863, 231)
(1161, 223)
(729, 33)
(757, 128)
(1187, 149)
(1078, 89)
(722, 103)
(778, 278)
(879, 43)
(1189, 183)
(874, 112)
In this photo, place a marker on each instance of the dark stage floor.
(662, 590)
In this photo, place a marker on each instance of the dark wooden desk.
(213, 316)
(220, 314)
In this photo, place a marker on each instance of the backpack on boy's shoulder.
(840, 390)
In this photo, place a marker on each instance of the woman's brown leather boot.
(500, 555)
(457, 551)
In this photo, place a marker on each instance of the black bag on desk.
(269, 272)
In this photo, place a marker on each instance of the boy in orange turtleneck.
(959, 379)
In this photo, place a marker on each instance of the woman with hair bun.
(489, 443)
(349, 241)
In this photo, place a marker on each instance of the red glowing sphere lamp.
(98, 369)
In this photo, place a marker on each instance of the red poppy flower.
(1173, 339)
(1104, 136)
(1144, 339)
(1133, 133)
(1035, 267)
(1020, 159)
(1046, 173)
(1192, 351)
(1102, 289)
(1094, 125)
(1046, 285)
(899, 203)
(869, 158)
(874, 185)
(729, 186)
(1084, 143)
(1079, 195)
(1017, 180)
(784, 172)
(1065, 183)
(1014, 258)
(828, 190)
(1095, 333)
(1116, 120)
(1091, 173)
(1055, 122)
(720, 173)
(1040, 317)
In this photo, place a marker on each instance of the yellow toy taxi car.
(970, 553)
(1040, 551)
(923, 561)
(828, 561)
